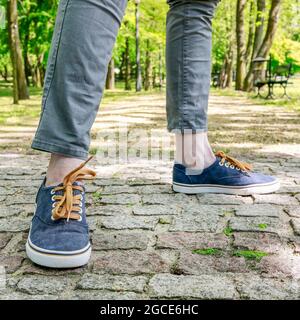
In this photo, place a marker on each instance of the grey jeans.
(81, 48)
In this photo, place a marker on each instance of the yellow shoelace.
(67, 206)
(241, 165)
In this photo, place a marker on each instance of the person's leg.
(188, 61)
(188, 57)
(82, 44)
(84, 36)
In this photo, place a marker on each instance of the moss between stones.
(228, 231)
(262, 226)
(250, 254)
(207, 251)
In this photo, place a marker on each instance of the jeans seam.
(184, 55)
(38, 141)
(53, 63)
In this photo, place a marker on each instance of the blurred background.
(255, 55)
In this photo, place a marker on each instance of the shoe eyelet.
(221, 164)
(52, 191)
(238, 169)
(80, 204)
(52, 198)
(227, 165)
(80, 211)
(53, 204)
(80, 219)
(232, 166)
(52, 218)
(81, 197)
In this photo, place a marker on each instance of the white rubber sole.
(58, 259)
(210, 188)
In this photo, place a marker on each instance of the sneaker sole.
(243, 190)
(58, 259)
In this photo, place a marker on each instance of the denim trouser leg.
(84, 36)
(188, 61)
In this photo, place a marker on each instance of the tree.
(263, 44)
(241, 46)
(19, 79)
(110, 77)
(138, 83)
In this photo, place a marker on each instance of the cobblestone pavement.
(151, 243)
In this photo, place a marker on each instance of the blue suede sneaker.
(59, 234)
(225, 175)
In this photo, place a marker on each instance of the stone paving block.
(101, 181)
(11, 262)
(197, 218)
(198, 264)
(191, 240)
(296, 226)
(130, 262)
(104, 295)
(254, 287)
(120, 199)
(13, 224)
(116, 283)
(224, 199)
(129, 222)
(293, 211)
(167, 199)
(43, 285)
(7, 211)
(19, 199)
(23, 296)
(29, 268)
(263, 210)
(197, 287)
(152, 210)
(109, 210)
(156, 189)
(259, 224)
(110, 190)
(5, 191)
(120, 240)
(278, 199)
(266, 242)
(285, 264)
(4, 239)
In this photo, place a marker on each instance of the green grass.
(207, 251)
(250, 254)
(293, 91)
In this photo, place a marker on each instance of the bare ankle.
(59, 167)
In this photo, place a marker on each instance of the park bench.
(280, 75)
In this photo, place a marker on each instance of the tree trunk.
(226, 73)
(147, 84)
(20, 86)
(250, 34)
(110, 77)
(160, 75)
(241, 47)
(271, 29)
(138, 83)
(263, 44)
(127, 65)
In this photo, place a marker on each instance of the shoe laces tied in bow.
(234, 162)
(69, 206)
